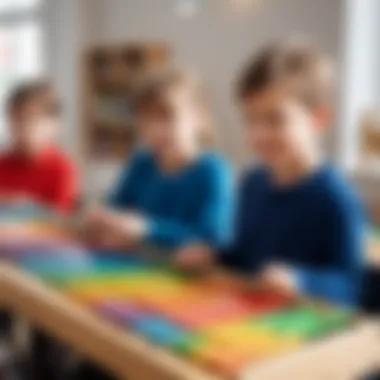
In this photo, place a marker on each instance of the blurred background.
(91, 48)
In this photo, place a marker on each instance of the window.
(17, 5)
(20, 48)
(360, 92)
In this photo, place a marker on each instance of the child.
(300, 225)
(33, 169)
(172, 193)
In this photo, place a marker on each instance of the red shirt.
(49, 178)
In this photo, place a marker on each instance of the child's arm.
(109, 226)
(110, 229)
(212, 226)
(66, 189)
(124, 192)
(338, 277)
(15, 199)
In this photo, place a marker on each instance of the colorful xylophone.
(221, 330)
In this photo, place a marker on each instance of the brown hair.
(307, 73)
(38, 90)
(152, 89)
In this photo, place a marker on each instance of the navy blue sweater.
(316, 227)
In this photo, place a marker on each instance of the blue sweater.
(315, 227)
(193, 205)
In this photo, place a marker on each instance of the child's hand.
(16, 200)
(96, 219)
(132, 225)
(114, 230)
(124, 230)
(196, 256)
(114, 240)
(279, 278)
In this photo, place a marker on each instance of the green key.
(187, 344)
(305, 322)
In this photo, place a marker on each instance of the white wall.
(70, 26)
(218, 40)
(67, 27)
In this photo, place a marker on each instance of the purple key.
(123, 312)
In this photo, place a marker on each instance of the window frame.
(33, 14)
(14, 16)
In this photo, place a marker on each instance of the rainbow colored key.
(122, 312)
(161, 331)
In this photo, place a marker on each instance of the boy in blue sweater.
(300, 225)
(173, 193)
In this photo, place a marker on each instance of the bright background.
(216, 36)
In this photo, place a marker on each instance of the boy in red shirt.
(33, 169)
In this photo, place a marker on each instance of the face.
(32, 129)
(169, 127)
(278, 127)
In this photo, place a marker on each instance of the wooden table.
(128, 356)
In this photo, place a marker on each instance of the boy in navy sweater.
(299, 224)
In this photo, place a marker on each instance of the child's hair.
(153, 88)
(40, 91)
(305, 72)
